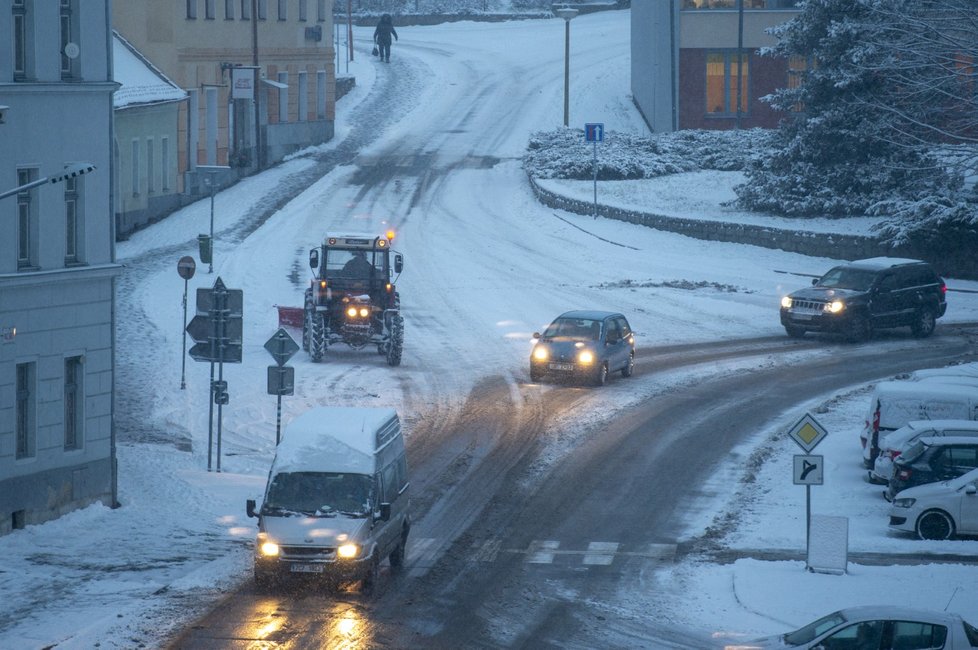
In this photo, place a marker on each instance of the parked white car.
(896, 442)
(938, 510)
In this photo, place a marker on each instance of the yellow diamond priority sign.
(807, 432)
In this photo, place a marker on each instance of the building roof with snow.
(141, 83)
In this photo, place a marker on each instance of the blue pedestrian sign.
(594, 132)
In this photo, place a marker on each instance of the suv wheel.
(935, 525)
(794, 332)
(923, 323)
(859, 329)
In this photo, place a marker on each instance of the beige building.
(217, 50)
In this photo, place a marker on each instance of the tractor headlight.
(786, 302)
(347, 551)
(364, 312)
(586, 357)
(351, 312)
(540, 353)
(835, 306)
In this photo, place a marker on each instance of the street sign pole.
(183, 357)
(220, 302)
(210, 417)
(595, 164)
(281, 378)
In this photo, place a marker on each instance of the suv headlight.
(903, 503)
(835, 306)
(786, 302)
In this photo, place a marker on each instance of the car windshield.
(579, 329)
(812, 630)
(320, 494)
(846, 277)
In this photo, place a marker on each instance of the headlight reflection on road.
(351, 629)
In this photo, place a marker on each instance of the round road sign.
(186, 267)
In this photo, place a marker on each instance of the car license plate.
(801, 315)
(561, 366)
(307, 568)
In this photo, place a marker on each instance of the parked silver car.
(938, 510)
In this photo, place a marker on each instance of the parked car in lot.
(877, 627)
(930, 460)
(894, 403)
(896, 442)
(857, 298)
(584, 346)
(938, 510)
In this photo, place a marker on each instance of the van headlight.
(586, 357)
(269, 549)
(903, 503)
(835, 306)
(347, 551)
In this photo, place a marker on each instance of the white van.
(896, 442)
(336, 503)
(894, 403)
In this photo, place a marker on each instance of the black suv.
(855, 298)
(930, 460)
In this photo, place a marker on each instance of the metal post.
(257, 79)
(740, 57)
(221, 302)
(210, 265)
(566, 71)
(595, 160)
(278, 420)
(183, 369)
(210, 411)
(349, 29)
(808, 522)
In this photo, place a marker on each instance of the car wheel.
(601, 378)
(935, 524)
(794, 332)
(397, 555)
(859, 329)
(923, 323)
(630, 366)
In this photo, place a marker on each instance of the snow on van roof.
(331, 439)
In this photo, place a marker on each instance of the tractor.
(352, 298)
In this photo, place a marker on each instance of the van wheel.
(263, 581)
(397, 555)
(935, 525)
(923, 323)
(369, 584)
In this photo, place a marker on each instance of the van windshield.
(319, 494)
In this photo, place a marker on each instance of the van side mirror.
(385, 512)
(398, 263)
(314, 258)
(250, 508)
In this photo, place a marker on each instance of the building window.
(165, 162)
(71, 220)
(26, 219)
(245, 9)
(209, 11)
(192, 9)
(150, 167)
(798, 66)
(283, 9)
(303, 11)
(24, 408)
(69, 34)
(262, 9)
(134, 178)
(722, 82)
(74, 398)
(22, 40)
(228, 9)
(321, 10)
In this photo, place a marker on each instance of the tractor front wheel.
(395, 343)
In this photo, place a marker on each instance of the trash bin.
(206, 248)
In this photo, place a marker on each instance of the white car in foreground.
(938, 510)
(876, 627)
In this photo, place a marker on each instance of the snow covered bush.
(564, 153)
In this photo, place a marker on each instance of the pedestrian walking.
(382, 36)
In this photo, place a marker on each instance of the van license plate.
(307, 568)
(561, 366)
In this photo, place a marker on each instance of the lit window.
(722, 81)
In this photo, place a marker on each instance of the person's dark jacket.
(384, 31)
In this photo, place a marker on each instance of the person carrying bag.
(382, 37)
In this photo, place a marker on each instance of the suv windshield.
(845, 277)
(319, 494)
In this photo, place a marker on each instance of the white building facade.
(57, 260)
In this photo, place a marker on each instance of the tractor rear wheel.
(318, 342)
(395, 345)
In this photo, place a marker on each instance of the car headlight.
(903, 503)
(347, 551)
(586, 356)
(269, 549)
(540, 353)
(835, 306)
(786, 302)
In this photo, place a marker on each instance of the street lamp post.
(567, 14)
